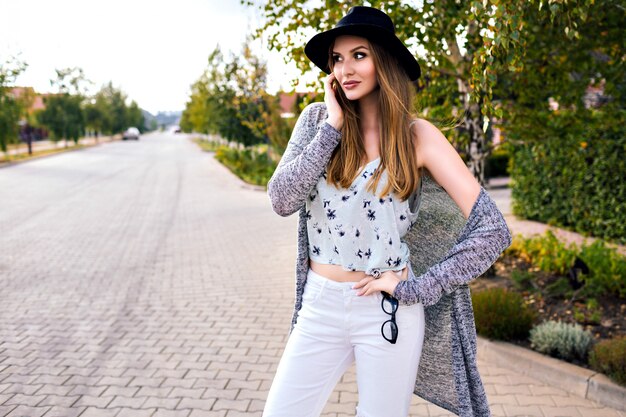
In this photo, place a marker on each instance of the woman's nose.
(347, 68)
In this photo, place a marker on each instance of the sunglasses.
(389, 329)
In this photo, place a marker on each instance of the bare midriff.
(337, 273)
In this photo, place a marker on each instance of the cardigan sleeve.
(310, 147)
(483, 238)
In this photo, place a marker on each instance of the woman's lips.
(348, 85)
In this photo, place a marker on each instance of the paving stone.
(153, 392)
(146, 382)
(57, 400)
(204, 413)
(133, 412)
(239, 405)
(256, 405)
(258, 395)
(21, 399)
(178, 382)
(512, 389)
(123, 391)
(159, 402)
(22, 389)
(6, 409)
(132, 402)
(534, 399)
(194, 403)
(564, 412)
(235, 413)
(60, 411)
(27, 411)
(523, 410)
(86, 390)
(187, 392)
(93, 402)
(211, 383)
(229, 394)
(100, 412)
(112, 380)
(171, 413)
(51, 389)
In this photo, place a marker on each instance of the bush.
(502, 314)
(609, 357)
(496, 164)
(568, 169)
(522, 280)
(546, 252)
(562, 340)
(607, 270)
(248, 164)
(589, 312)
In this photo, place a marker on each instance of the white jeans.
(335, 328)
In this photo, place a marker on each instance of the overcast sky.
(152, 49)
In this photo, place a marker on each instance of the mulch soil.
(605, 320)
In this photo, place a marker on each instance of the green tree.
(63, 115)
(10, 107)
(203, 111)
(230, 99)
(561, 65)
(134, 116)
(95, 117)
(464, 46)
(115, 100)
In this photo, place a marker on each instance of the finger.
(361, 283)
(370, 288)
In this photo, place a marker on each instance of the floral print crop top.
(357, 229)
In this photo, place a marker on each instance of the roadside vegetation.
(68, 113)
(567, 301)
(252, 164)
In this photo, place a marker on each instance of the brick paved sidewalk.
(155, 284)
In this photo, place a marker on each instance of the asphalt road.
(143, 279)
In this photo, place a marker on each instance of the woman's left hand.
(369, 285)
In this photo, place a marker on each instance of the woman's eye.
(359, 55)
(336, 58)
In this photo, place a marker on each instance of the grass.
(5, 158)
(252, 164)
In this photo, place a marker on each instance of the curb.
(60, 151)
(574, 379)
(242, 183)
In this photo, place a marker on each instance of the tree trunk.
(477, 148)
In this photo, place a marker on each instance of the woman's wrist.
(336, 123)
(391, 282)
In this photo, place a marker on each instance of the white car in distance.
(131, 133)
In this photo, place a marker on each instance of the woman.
(352, 170)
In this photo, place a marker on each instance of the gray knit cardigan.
(447, 252)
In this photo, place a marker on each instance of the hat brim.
(317, 49)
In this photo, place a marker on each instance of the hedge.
(569, 169)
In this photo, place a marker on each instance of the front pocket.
(408, 316)
(312, 293)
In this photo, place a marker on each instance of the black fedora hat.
(369, 23)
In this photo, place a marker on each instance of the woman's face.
(354, 66)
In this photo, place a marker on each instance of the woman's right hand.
(335, 113)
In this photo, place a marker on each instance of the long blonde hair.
(397, 152)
